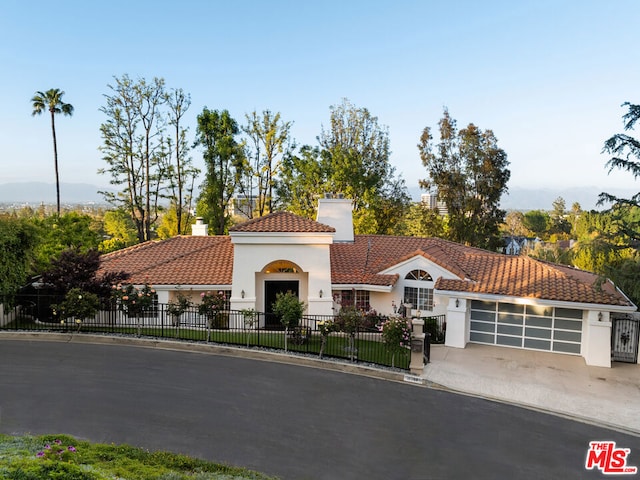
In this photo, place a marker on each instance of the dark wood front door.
(271, 289)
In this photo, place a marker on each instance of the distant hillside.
(526, 199)
(42, 192)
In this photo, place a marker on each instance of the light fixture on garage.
(599, 316)
(457, 302)
(242, 293)
(320, 293)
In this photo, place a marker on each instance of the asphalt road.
(286, 420)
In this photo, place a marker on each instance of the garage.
(536, 327)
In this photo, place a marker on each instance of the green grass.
(91, 461)
(368, 351)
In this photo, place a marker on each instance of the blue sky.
(548, 77)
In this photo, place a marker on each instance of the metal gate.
(624, 340)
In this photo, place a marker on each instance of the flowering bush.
(133, 301)
(325, 327)
(178, 307)
(78, 305)
(212, 306)
(212, 303)
(57, 452)
(396, 333)
(349, 320)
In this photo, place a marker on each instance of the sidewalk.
(559, 383)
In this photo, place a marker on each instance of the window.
(418, 290)
(419, 298)
(420, 275)
(357, 298)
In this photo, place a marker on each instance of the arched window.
(282, 266)
(418, 290)
(418, 275)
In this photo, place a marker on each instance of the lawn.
(367, 347)
(28, 458)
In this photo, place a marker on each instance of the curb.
(214, 349)
(299, 360)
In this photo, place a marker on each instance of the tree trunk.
(55, 160)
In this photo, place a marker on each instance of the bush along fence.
(350, 335)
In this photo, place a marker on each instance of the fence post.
(416, 366)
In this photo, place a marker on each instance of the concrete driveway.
(563, 384)
(287, 420)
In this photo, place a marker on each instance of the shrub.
(131, 300)
(289, 309)
(78, 305)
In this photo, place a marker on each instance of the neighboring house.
(514, 245)
(487, 297)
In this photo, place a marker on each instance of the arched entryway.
(281, 276)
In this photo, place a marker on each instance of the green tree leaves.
(225, 163)
(470, 173)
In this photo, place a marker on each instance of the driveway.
(287, 420)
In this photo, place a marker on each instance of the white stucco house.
(487, 297)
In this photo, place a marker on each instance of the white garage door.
(526, 326)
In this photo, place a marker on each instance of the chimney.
(199, 229)
(337, 212)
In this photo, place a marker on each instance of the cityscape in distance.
(19, 194)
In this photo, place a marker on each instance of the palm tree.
(52, 100)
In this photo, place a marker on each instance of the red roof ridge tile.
(282, 222)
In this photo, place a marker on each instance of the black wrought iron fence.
(228, 327)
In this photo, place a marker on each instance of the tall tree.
(624, 238)
(357, 150)
(134, 149)
(352, 159)
(51, 100)
(470, 172)
(625, 151)
(302, 178)
(18, 238)
(225, 162)
(269, 143)
(182, 173)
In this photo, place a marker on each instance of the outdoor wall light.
(457, 302)
(242, 293)
(320, 293)
(599, 316)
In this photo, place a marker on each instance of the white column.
(416, 365)
(457, 334)
(596, 339)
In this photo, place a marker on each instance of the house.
(514, 245)
(487, 297)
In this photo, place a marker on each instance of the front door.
(271, 289)
(624, 340)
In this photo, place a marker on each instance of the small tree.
(349, 321)
(177, 308)
(289, 310)
(396, 335)
(250, 317)
(326, 327)
(133, 301)
(212, 307)
(77, 305)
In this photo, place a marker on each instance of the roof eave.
(537, 301)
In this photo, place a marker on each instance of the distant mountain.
(526, 199)
(42, 192)
(542, 199)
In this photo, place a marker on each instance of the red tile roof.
(209, 261)
(176, 261)
(479, 271)
(282, 222)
